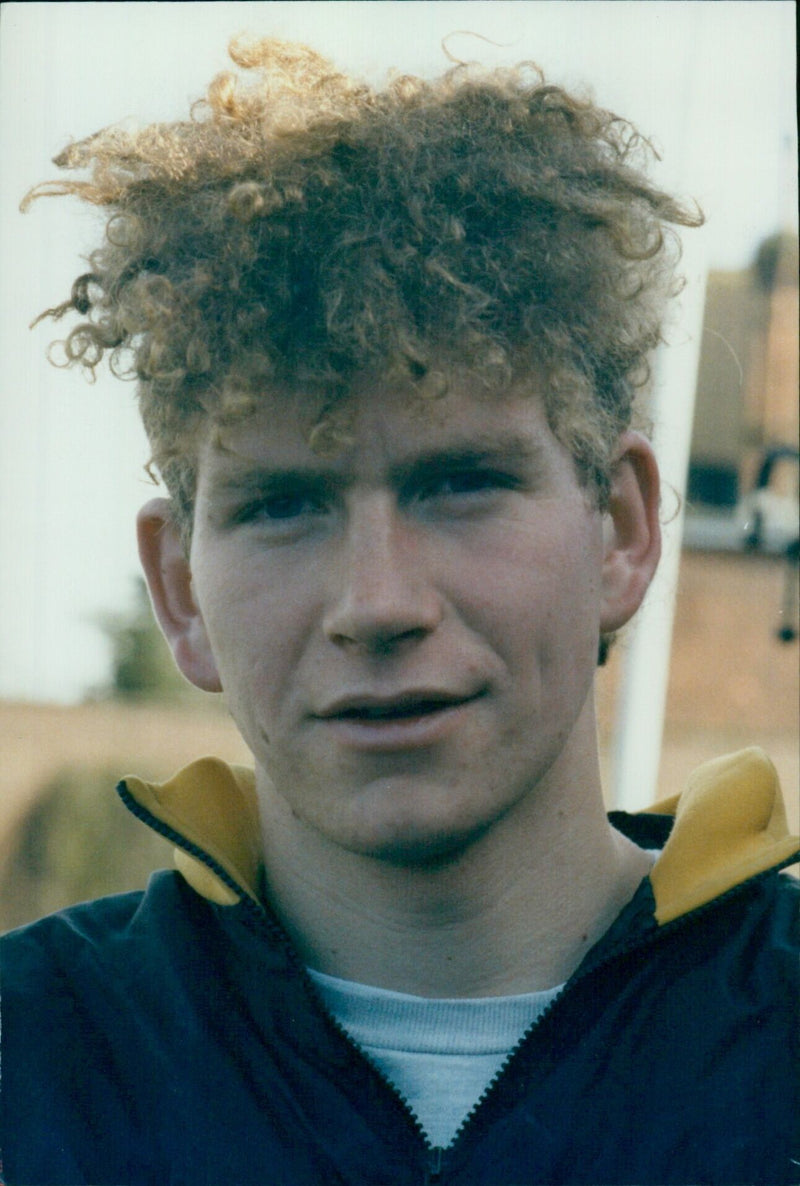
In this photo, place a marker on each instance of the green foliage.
(141, 662)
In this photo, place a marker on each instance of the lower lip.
(385, 735)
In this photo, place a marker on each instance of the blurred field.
(732, 684)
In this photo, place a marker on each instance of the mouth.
(407, 721)
(400, 708)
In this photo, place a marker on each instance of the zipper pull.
(433, 1171)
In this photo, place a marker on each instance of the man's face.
(406, 631)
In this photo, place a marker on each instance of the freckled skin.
(470, 588)
(406, 632)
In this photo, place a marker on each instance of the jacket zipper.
(434, 1154)
(433, 1171)
(639, 943)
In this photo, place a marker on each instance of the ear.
(632, 543)
(169, 579)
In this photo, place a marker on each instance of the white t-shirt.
(439, 1054)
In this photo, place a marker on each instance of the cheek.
(543, 591)
(253, 623)
(552, 653)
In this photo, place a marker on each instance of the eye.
(471, 481)
(281, 508)
(285, 506)
(458, 484)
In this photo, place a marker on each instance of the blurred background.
(87, 689)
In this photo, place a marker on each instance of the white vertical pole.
(643, 694)
(640, 719)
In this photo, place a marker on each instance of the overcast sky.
(712, 83)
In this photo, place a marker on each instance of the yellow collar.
(211, 807)
(730, 824)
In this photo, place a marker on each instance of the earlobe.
(169, 579)
(633, 532)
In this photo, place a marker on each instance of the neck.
(514, 911)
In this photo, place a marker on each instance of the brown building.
(747, 392)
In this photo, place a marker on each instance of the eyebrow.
(257, 477)
(510, 450)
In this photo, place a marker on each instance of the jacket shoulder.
(72, 943)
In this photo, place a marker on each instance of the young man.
(386, 346)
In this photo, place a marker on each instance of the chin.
(418, 843)
(433, 852)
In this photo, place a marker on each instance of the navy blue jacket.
(172, 1038)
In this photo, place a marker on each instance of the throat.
(513, 911)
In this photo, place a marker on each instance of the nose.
(382, 596)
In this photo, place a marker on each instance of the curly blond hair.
(302, 227)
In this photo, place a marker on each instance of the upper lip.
(407, 702)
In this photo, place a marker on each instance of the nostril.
(379, 641)
(383, 644)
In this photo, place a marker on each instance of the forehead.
(378, 424)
